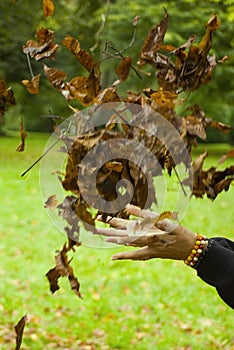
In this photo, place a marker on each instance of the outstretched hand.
(156, 238)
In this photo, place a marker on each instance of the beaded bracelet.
(197, 251)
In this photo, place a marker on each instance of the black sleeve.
(217, 268)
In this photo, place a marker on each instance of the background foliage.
(94, 23)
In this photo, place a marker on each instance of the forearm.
(217, 268)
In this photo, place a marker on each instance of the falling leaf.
(230, 154)
(224, 59)
(33, 84)
(107, 95)
(51, 202)
(83, 89)
(53, 276)
(82, 55)
(122, 70)
(63, 269)
(168, 215)
(44, 47)
(19, 329)
(153, 40)
(221, 126)
(56, 77)
(23, 136)
(136, 19)
(48, 7)
(6, 98)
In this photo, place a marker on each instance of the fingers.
(161, 239)
(110, 232)
(132, 241)
(168, 226)
(143, 213)
(140, 254)
(115, 222)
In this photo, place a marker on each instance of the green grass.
(127, 305)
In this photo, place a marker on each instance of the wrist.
(197, 252)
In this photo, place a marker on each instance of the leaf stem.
(38, 160)
(30, 66)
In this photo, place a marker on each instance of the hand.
(156, 238)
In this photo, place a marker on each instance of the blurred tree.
(94, 23)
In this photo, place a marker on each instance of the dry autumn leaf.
(82, 55)
(123, 69)
(19, 329)
(63, 269)
(6, 98)
(23, 136)
(32, 85)
(48, 7)
(51, 202)
(167, 215)
(56, 77)
(230, 154)
(153, 41)
(44, 47)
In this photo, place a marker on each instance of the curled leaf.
(44, 47)
(63, 269)
(230, 154)
(123, 69)
(33, 84)
(51, 202)
(82, 55)
(6, 98)
(48, 7)
(23, 136)
(19, 329)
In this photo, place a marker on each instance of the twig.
(42, 156)
(177, 175)
(104, 18)
(29, 66)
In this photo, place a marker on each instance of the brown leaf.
(136, 19)
(82, 55)
(33, 84)
(23, 136)
(223, 185)
(56, 77)
(153, 41)
(83, 89)
(44, 47)
(107, 95)
(230, 154)
(123, 69)
(114, 166)
(63, 269)
(6, 98)
(206, 42)
(51, 202)
(53, 276)
(224, 59)
(48, 7)
(19, 329)
(167, 215)
(221, 126)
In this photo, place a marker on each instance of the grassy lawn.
(127, 305)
